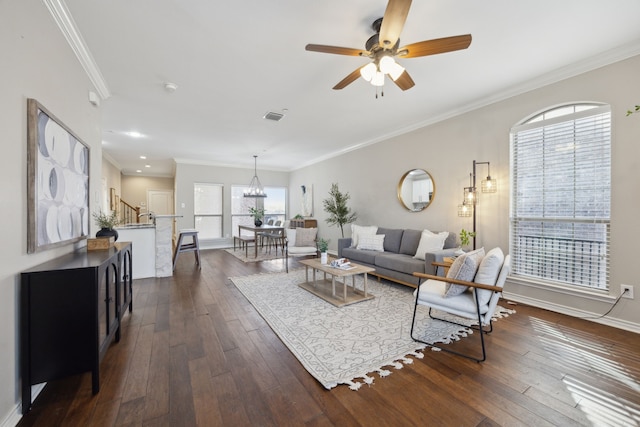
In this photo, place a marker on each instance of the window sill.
(590, 294)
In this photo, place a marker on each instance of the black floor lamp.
(468, 206)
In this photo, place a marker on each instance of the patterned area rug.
(345, 345)
(263, 254)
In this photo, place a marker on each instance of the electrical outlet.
(629, 289)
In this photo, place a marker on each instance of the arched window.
(561, 196)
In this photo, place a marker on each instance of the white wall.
(36, 63)
(447, 150)
(188, 174)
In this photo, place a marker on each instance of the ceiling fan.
(382, 47)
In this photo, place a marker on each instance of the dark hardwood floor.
(195, 352)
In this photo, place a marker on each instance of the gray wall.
(447, 150)
(36, 63)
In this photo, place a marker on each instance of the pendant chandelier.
(255, 187)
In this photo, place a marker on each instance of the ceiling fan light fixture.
(389, 66)
(386, 63)
(378, 79)
(368, 71)
(396, 71)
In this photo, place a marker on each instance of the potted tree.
(336, 206)
(323, 247)
(106, 222)
(258, 215)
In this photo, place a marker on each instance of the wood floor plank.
(136, 384)
(158, 385)
(230, 402)
(205, 404)
(181, 410)
(196, 352)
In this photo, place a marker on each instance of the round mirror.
(416, 190)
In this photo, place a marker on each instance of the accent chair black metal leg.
(481, 329)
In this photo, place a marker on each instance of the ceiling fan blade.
(405, 81)
(435, 46)
(336, 50)
(393, 21)
(348, 80)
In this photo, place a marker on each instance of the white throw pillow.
(306, 237)
(361, 230)
(488, 273)
(373, 242)
(463, 268)
(430, 242)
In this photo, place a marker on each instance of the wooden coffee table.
(325, 288)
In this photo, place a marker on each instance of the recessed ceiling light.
(147, 166)
(139, 171)
(143, 157)
(134, 134)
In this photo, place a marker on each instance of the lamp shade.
(391, 67)
(470, 196)
(489, 185)
(464, 210)
(368, 71)
(378, 79)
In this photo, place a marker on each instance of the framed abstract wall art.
(57, 182)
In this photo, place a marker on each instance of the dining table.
(264, 228)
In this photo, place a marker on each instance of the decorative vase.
(323, 257)
(107, 232)
(257, 222)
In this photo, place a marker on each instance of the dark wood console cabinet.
(70, 310)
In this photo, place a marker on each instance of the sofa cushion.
(410, 241)
(430, 242)
(360, 230)
(373, 242)
(488, 272)
(402, 263)
(463, 268)
(451, 241)
(306, 236)
(392, 239)
(353, 254)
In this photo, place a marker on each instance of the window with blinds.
(207, 210)
(561, 196)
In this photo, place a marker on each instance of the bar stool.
(187, 247)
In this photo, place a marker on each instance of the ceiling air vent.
(276, 117)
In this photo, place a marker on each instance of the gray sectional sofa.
(397, 262)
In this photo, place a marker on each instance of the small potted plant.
(323, 247)
(106, 222)
(465, 236)
(257, 214)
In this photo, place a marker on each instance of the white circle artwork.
(61, 184)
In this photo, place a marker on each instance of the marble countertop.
(134, 226)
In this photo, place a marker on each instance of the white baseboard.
(13, 418)
(570, 311)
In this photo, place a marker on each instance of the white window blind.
(561, 196)
(207, 210)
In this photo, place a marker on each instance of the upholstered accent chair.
(471, 290)
(300, 242)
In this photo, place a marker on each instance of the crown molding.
(67, 26)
